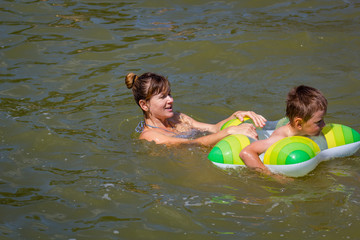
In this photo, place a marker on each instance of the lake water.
(71, 164)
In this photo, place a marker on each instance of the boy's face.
(313, 126)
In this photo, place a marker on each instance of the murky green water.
(70, 164)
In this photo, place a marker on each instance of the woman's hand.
(245, 128)
(258, 120)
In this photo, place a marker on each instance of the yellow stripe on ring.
(233, 122)
(271, 156)
(329, 135)
(235, 146)
(244, 141)
(278, 152)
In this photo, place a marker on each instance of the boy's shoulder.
(282, 132)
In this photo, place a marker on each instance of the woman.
(164, 126)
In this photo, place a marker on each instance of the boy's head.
(303, 102)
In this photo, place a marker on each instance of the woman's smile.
(169, 108)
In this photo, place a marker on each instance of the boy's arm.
(250, 154)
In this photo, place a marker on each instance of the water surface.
(71, 164)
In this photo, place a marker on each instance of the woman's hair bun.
(130, 79)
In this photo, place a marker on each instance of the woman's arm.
(209, 140)
(257, 119)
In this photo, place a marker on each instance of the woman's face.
(161, 105)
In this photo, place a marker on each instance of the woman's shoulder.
(159, 137)
(149, 134)
(144, 134)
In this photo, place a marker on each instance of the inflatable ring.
(292, 156)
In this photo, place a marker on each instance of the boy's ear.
(298, 123)
(143, 105)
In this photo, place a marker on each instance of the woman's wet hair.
(146, 85)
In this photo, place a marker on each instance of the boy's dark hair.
(303, 101)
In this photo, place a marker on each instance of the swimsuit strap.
(158, 128)
(140, 127)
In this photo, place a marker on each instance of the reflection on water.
(71, 164)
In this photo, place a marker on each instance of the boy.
(305, 109)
